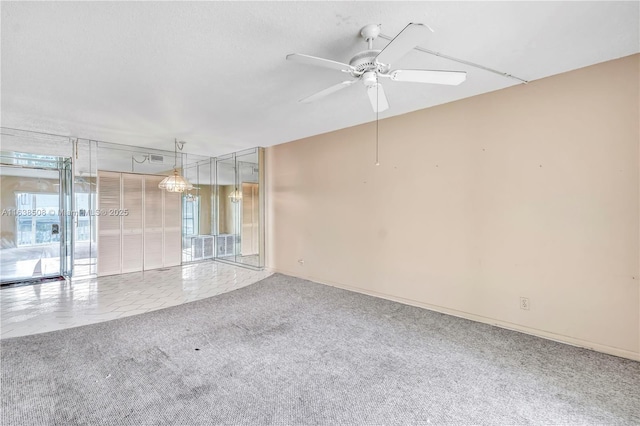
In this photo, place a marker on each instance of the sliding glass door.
(36, 218)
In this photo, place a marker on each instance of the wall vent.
(155, 158)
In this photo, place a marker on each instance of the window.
(190, 215)
(37, 214)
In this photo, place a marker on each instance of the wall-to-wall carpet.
(290, 351)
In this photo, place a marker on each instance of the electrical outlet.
(524, 303)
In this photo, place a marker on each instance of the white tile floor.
(52, 306)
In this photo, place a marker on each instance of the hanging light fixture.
(176, 183)
(236, 196)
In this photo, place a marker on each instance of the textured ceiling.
(214, 73)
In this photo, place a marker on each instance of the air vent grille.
(155, 158)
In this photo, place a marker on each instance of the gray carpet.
(289, 351)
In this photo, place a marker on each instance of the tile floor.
(53, 306)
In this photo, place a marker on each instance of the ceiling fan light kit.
(370, 65)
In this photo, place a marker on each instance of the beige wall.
(529, 191)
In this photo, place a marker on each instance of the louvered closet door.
(109, 254)
(172, 228)
(153, 228)
(132, 231)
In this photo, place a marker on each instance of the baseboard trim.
(478, 318)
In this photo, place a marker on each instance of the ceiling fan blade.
(327, 91)
(319, 62)
(429, 76)
(377, 97)
(411, 36)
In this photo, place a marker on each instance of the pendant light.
(176, 183)
(236, 196)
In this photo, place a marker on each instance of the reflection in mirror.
(249, 206)
(197, 236)
(221, 217)
(226, 235)
(239, 226)
(85, 187)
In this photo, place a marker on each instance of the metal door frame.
(64, 167)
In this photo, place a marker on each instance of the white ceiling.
(214, 73)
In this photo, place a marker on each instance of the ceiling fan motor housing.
(366, 61)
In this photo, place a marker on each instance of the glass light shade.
(235, 196)
(175, 183)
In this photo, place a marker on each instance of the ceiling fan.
(370, 65)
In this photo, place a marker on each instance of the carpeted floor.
(292, 352)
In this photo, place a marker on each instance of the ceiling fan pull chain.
(377, 123)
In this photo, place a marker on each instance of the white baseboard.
(486, 320)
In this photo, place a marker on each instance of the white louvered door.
(153, 226)
(140, 225)
(109, 232)
(132, 231)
